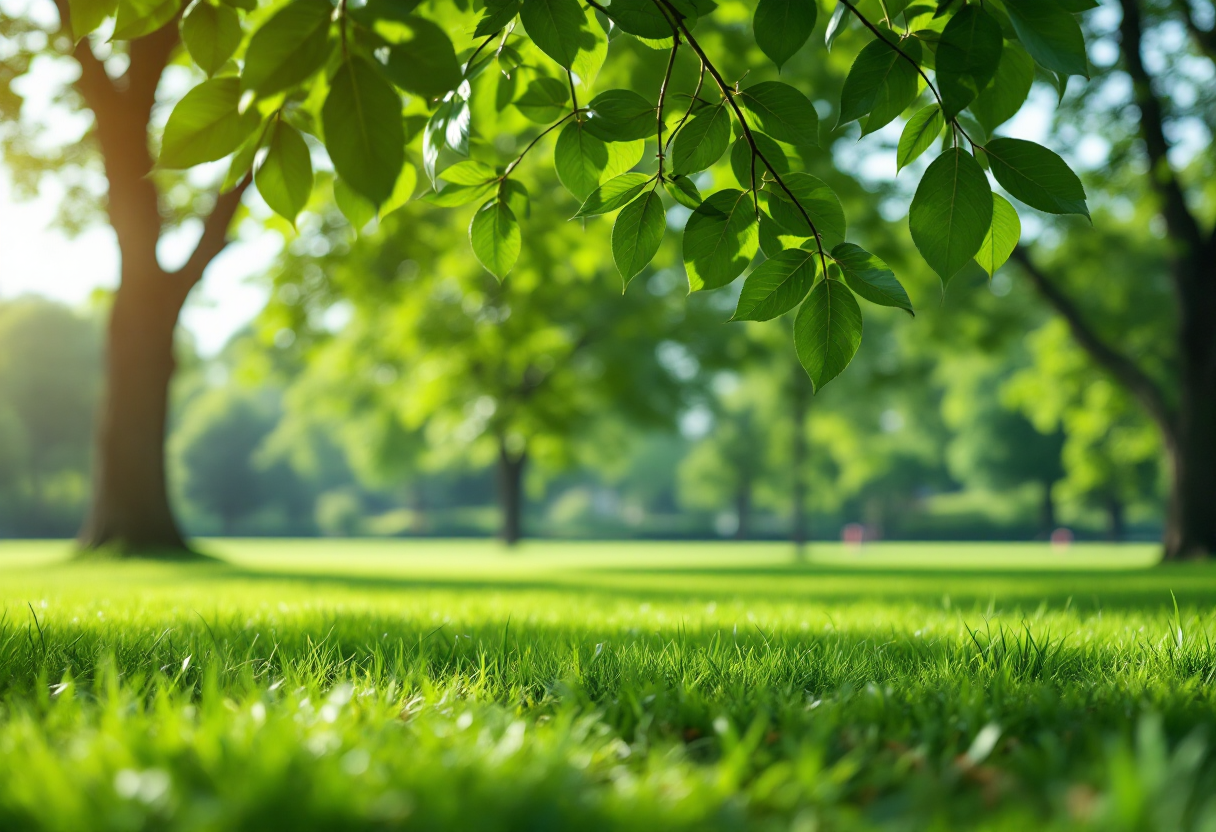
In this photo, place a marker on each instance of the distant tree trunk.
(1190, 522)
(130, 508)
(1116, 527)
(799, 458)
(743, 507)
(1047, 512)
(510, 493)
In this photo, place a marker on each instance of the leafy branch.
(671, 63)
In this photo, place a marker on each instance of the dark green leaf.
(557, 27)
(1037, 176)
(967, 58)
(620, 116)
(950, 212)
(1002, 237)
(242, 161)
(919, 133)
(783, 26)
(494, 233)
(817, 200)
(836, 24)
(211, 34)
(447, 127)
(423, 63)
(870, 277)
(583, 162)
(720, 239)
(137, 18)
(639, 17)
(87, 15)
(516, 197)
(702, 141)
(1050, 34)
(289, 47)
(615, 193)
(357, 210)
(498, 14)
(684, 191)
(453, 196)
(206, 125)
(1006, 92)
(741, 159)
(827, 331)
(881, 83)
(544, 100)
(777, 285)
(363, 130)
(637, 234)
(284, 178)
(781, 111)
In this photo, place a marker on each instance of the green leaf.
(782, 27)
(870, 277)
(425, 62)
(357, 210)
(516, 196)
(620, 116)
(720, 239)
(827, 331)
(496, 240)
(544, 100)
(637, 234)
(613, 194)
(557, 27)
(289, 47)
(701, 141)
(498, 13)
(836, 24)
(372, 11)
(816, 198)
(469, 172)
(242, 161)
(137, 18)
(206, 125)
(950, 212)
(967, 58)
(1002, 237)
(284, 178)
(407, 180)
(86, 15)
(453, 196)
(781, 111)
(1007, 91)
(1050, 34)
(684, 191)
(583, 162)
(641, 18)
(919, 133)
(773, 239)
(448, 126)
(592, 52)
(741, 159)
(1036, 176)
(777, 285)
(211, 34)
(881, 83)
(363, 130)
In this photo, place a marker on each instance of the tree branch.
(1123, 369)
(215, 236)
(1179, 220)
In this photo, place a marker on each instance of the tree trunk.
(743, 508)
(130, 511)
(510, 493)
(1190, 523)
(1116, 524)
(1047, 512)
(799, 458)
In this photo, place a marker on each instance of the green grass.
(305, 685)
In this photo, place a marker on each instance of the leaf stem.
(511, 167)
(573, 94)
(671, 63)
(694, 98)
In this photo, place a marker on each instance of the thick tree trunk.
(1116, 524)
(1190, 523)
(798, 460)
(130, 511)
(510, 493)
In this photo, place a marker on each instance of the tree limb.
(215, 236)
(1180, 222)
(1121, 367)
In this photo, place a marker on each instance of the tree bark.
(1190, 523)
(1116, 524)
(510, 493)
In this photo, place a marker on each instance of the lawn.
(359, 685)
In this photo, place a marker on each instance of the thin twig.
(671, 63)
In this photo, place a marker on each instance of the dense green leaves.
(639, 17)
(211, 34)
(557, 27)
(720, 239)
(919, 133)
(870, 277)
(815, 198)
(284, 178)
(289, 47)
(950, 212)
(494, 233)
(827, 331)
(583, 162)
(615, 193)
(1002, 237)
(620, 116)
(497, 14)
(701, 141)
(1050, 34)
(1007, 91)
(777, 285)
(967, 58)
(782, 27)
(206, 125)
(781, 111)
(741, 159)
(363, 129)
(422, 59)
(1037, 176)
(637, 234)
(881, 84)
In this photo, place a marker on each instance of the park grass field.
(365, 685)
